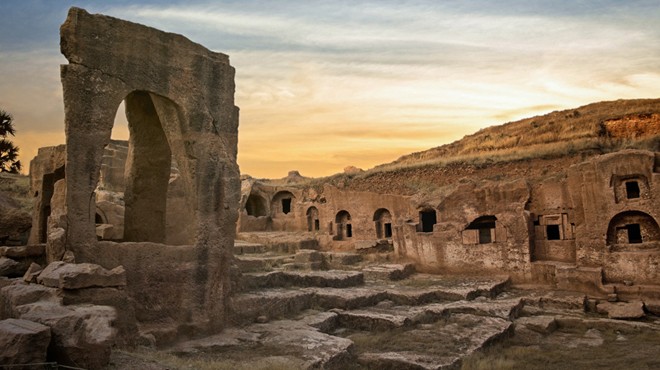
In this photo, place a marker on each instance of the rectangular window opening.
(632, 189)
(349, 230)
(634, 233)
(428, 219)
(552, 232)
(388, 230)
(484, 236)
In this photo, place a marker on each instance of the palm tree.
(8, 151)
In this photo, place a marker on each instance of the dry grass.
(545, 151)
(592, 129)
(17, 187)
(157, 360)
(604, 127)
(637, 351)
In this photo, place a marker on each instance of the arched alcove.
(344, 226)
(256, 205)
(632, 227)
(282, 203)
(313, 223)
(481, 230)
(383, 223)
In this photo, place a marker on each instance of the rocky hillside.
(633, 120)
(532, 148)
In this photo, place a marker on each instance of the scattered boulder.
(83, 275)
(18, 294)
(23, 342)
(55, 245)
(9, 267)
(32, 272)
(23, 251)
(82, 335)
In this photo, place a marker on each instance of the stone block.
(24, 251)
(83, 275)
(23, 342)
(82, 336)
(32, 272)
(8, 267)
(15, 295)
(622, 310)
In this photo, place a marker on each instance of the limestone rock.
(83, 275)
(8, 267)
(82, 335)
(622, 310)
(23, 342)
(540, 324)
(32, 272)
(24, 251)
(113, 297)
(390, 271)
(56, 244)
(15, 295)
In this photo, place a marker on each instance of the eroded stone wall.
(180, 108)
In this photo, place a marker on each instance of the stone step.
(331, 278)
(389, 271)
(269, 304)
(262, 262)
(441, 345)
(242, 247)
(281, 242)
(340, 292)
(294, 344)
(338, 260)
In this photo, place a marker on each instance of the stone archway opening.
(427, 218)
(282, 203)
(47, 192)
(383, 223)
(483, 229)
(139, 180)
(256, 206)
(632, 227)
(344, 226)
(313, 223)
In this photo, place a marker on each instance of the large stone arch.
(174, 89)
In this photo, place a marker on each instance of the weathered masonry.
(179, 100)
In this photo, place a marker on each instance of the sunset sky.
(327, 84)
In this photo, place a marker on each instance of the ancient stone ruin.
(180, 107)
(158, 244)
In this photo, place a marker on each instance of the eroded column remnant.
(180, 106)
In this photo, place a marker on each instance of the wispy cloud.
(326, 84)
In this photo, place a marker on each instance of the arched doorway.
(313, 223)
(344, 226)
(427, 218)
(282, 203)
(383, 223)
(632, 227)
